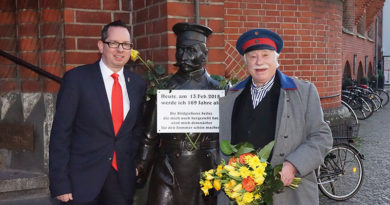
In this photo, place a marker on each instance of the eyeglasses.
(125, 46)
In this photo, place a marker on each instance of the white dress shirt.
(109, 82)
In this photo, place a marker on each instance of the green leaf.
(267, 198)
(226, 147)
(234, 81)
(149, 76)
(244, 150)
(266, 151)
(277, 169)
(217, 77)
(160, 70)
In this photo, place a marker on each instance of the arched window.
(348, 15)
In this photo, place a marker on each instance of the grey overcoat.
(302, 137)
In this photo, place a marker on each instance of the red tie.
(116, 110)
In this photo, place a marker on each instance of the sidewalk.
(39, 200)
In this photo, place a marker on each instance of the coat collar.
(286, 82)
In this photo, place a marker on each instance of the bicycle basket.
(345, 130)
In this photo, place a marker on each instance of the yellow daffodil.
(259, 172)
(253, 162)
(237, 188)
(205, 191)
(134, 55)
(235, 195)
(217, 184)
(247, 197)
(206, 186)
(234, 173)
(259, 180)
(209, 176)
(210, 172)
(229, 168)
(231, 184)
(219, 171)
(244, 172)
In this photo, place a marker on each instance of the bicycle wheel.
(384, 96)
(376, 100)
(341, 175)
(361, 107)
(353, 124)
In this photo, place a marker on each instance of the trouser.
(110, 194)
(176, 175)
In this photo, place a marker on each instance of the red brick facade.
(58, 35)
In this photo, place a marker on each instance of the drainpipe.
(376, 50)
(196, 2)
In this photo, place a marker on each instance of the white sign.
(188, 111)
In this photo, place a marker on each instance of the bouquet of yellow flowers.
(247, 178)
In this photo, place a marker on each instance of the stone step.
(18, 184)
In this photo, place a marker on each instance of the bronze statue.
(177, 164)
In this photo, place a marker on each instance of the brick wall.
(361, 47)
(83, 21)
(32, 31)
(362, 44)
(58, 35)
(310, 30)
(8, 70)
(154, 38)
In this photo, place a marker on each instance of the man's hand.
(288, 173)
(65, 197)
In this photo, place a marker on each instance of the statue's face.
(191, 57)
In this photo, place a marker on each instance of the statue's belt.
(177, 144)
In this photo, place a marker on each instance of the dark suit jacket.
(82, 140)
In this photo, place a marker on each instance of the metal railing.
(30, 66)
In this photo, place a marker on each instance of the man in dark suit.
(95, 134)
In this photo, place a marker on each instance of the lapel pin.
(128, 79)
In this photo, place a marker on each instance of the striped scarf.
(258, 93)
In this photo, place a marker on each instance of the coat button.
(285, 137)
(281, 154)
(178, 155)
(288, 116)
(110, 158)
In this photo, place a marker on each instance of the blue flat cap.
(258, 39)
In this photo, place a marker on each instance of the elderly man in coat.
(269, 105)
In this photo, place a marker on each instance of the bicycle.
(360, 104)
(341, 175)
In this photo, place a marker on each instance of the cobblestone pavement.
(375, 145)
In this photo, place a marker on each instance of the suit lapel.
(102, 94)
(130, 84)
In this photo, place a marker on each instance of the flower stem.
(150, 70)
(192, 143)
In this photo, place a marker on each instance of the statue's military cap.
(258, 39)
(191, 33)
